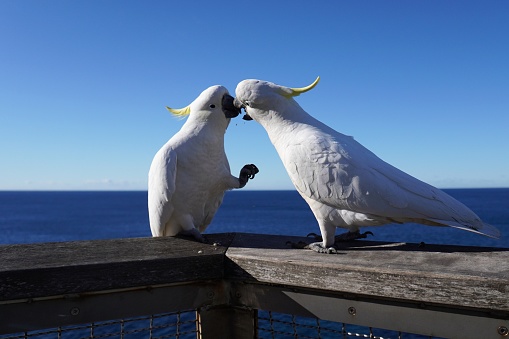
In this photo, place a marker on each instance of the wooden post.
(227, 322)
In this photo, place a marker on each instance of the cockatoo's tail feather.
(479, 228)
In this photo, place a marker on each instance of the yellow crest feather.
(180, 112)
(297, 91)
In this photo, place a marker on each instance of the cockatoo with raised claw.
(345, 184)
(189, 175)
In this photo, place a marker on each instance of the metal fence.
(178, 325)
(273, 325)
(183, 325)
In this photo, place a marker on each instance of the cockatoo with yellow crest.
(189, 175)
(345, 184)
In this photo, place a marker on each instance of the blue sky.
(83, 84)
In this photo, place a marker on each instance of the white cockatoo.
(345, 184)
(190, 173)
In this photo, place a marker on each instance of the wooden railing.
(435, 290)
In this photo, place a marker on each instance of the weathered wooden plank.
(38, 270)
(463, 277)
(444, 275)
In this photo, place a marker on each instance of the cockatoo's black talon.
(348, 236)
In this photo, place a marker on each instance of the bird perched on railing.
(190, 173)
(345, 184)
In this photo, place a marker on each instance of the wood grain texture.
(467, 277)
(48, 269)
(459, 277)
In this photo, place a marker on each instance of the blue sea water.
(28, 217)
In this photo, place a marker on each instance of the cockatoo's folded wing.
(161, 181)
(340, 172)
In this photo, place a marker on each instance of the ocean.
(48, 216)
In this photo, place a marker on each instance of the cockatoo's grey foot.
(195, 234)
(319, 248)
(348, 236)
(247, 172)
(315, 246)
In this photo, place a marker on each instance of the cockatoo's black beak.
(237, 103)
(229, 109)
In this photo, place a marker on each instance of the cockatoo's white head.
(213, 104)
(259, 98)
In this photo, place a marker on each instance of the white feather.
(345, 184)
(190, 173)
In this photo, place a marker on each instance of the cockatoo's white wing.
(161, 183)
(338, 171)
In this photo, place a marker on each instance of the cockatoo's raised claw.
(247, 172)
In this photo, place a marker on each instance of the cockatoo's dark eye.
(247, 103)
(212, 106)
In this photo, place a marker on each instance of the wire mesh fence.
(272, 325)
(183, 325)
(178, 325)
